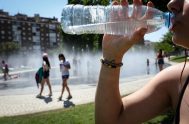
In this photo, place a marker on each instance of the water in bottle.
(112, 19)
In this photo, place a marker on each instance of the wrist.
(111, 63)
(116, 59)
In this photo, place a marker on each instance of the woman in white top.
(64, 68)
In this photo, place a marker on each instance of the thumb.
(138, 35)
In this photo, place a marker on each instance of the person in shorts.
(64, 69)
(45, 76)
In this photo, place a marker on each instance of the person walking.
(148, 66)
(160, 59)
(64, 68)
(167, 89)
(45, 76)
(5, 70)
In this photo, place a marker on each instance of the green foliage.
(91, 42)
(166, 118)
(9, 46)
(160, 4)
(178, 59)
(81, 114)
(167, 45)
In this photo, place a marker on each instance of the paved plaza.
(28, 103)
(22, 101)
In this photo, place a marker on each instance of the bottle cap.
(167, 16)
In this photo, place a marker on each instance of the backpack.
(38, 76)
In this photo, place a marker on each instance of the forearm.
(108, 103)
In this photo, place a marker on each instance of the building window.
(2, 32)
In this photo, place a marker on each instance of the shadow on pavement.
(3, 86)
(46, 99)
(68, 104)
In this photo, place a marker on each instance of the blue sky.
(156, 36)
(51, 8)
(46, 8)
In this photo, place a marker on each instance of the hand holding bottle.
(114, 46)
(116, 19)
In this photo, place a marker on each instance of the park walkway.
(28, 103)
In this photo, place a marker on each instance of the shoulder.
(170, 76)
(168, 81)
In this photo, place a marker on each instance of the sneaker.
(38, 96)
(60, 98)
(69, 97)
(50, 94)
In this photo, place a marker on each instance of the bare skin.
(48, 84)
(65, 85)
(161, 93)
(45, 67)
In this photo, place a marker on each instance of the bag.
(38, 76)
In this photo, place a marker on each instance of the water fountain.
(85, 66)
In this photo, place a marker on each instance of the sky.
(156, 36)
(52, 8)
(45, 8)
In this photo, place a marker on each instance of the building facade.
(31, 33)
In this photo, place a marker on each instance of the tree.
(167, 45)
(7, 47)
(92, 41)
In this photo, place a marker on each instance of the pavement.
(19, 104)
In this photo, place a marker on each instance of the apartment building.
(32, 33)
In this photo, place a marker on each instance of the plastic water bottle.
(112, 19)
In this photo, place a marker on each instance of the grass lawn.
(80, 114)
(178, 58)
